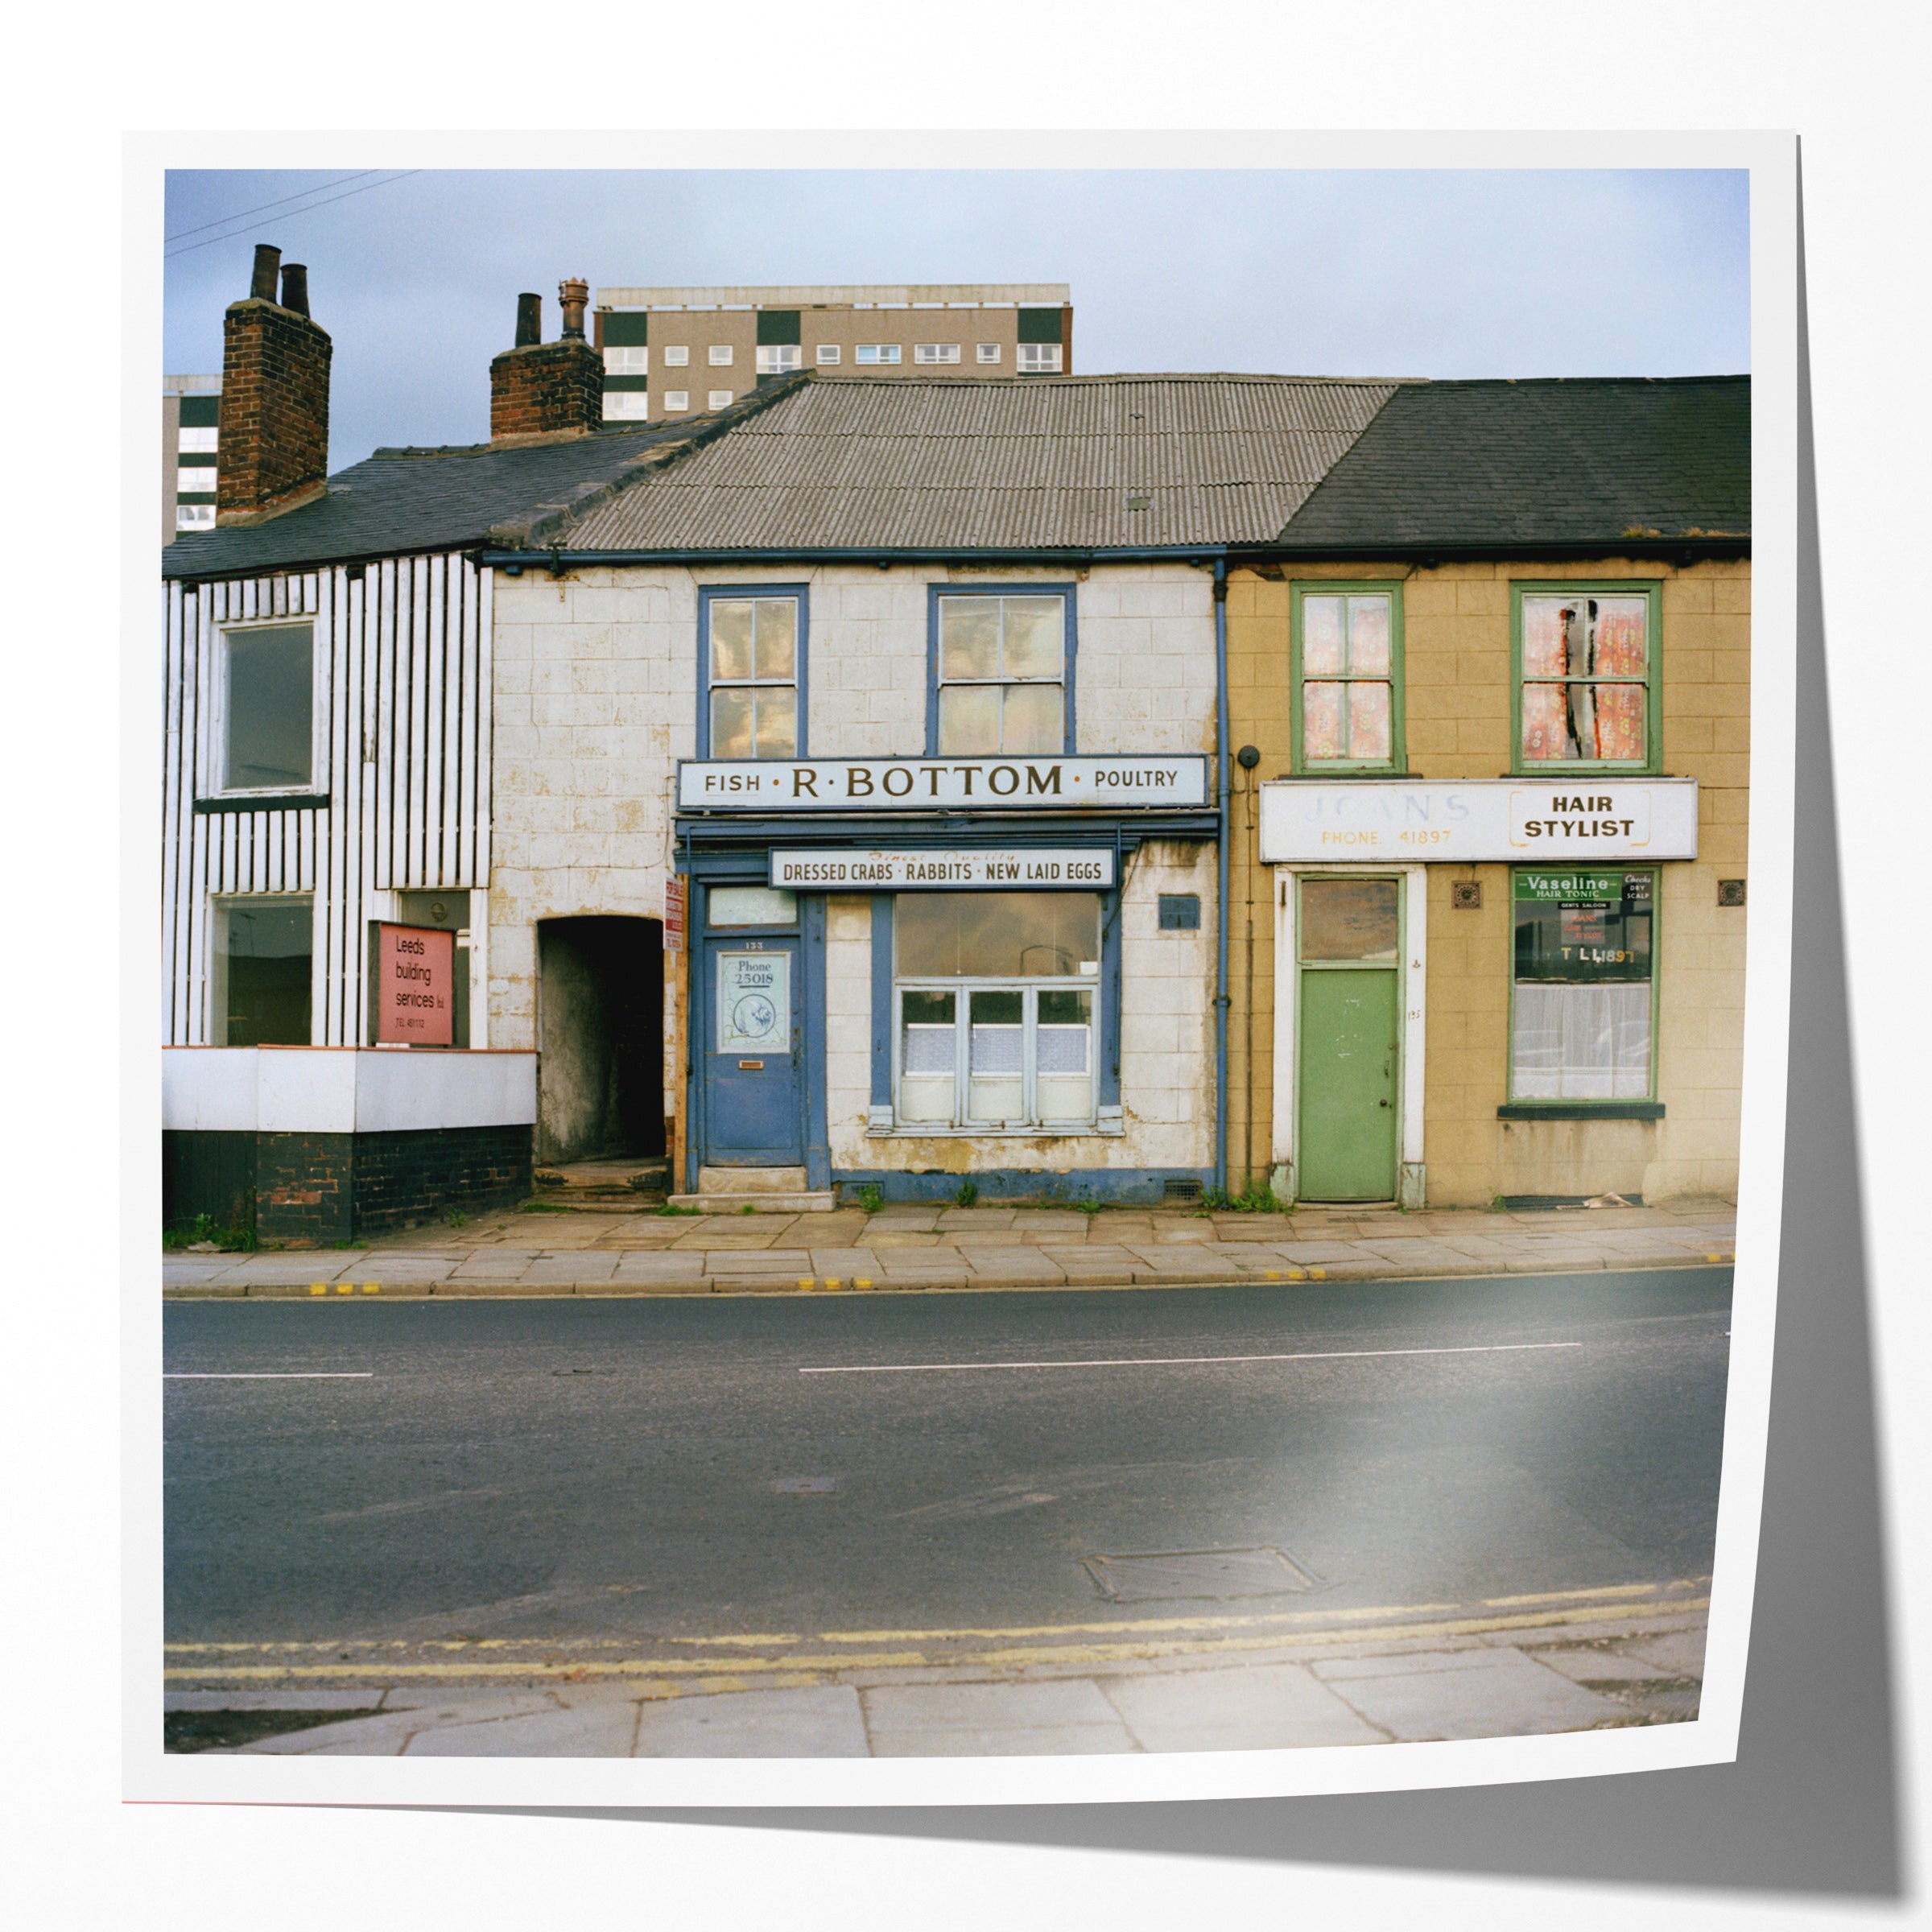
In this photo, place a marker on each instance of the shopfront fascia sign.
(1044, 784)
(1394, 821)
(982, 870)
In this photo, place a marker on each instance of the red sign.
(673, 913)
(416, 986)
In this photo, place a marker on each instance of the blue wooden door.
(754, 1113)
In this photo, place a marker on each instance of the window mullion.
(1030, 1008)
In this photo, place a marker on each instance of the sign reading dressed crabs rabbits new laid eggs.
(1398, 821)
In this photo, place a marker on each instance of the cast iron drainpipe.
(1220, 923)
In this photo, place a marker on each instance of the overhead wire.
(241, 214)
(169, 255)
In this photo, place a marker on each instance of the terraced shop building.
(330, 1060)
(1490, 828)
(906, 696)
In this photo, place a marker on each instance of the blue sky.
(1440, 273)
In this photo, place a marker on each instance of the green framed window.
(1345, 648)
(1584, 683)
(1583, 1004)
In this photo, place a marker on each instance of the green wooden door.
(1349, 1048)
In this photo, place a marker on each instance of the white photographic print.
(1191, 1208)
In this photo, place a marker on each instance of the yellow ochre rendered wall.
(1457, 670)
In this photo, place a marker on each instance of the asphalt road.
(623, 1468)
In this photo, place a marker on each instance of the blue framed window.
(995, 1012)
(1000, 665)
(751, 652)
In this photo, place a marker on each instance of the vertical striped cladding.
(403, 685)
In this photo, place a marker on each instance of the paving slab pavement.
(507, 1251)
(1419, 1685)
(1499, 1693)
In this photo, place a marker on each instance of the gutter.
(513, 562)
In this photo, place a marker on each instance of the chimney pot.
(529, 321)
(573, 296)
(274, 411)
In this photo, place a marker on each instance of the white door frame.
(1411, 1180)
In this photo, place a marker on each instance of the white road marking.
(1175, 1361)
(267, 1375)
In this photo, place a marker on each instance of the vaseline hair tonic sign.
(789, 785)
(416, 986)
(1397, 821)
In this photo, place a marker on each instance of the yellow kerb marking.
(346, 1287)
(805, 1282)
(861, 1280)
(1317, 1274)
(1559, 1596)
(914, 1660)
(833, 1282)
(317, 1288)
(372, 1287)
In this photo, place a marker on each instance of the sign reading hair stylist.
(416, 986)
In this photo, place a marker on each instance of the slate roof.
(1554, 464)
(402, 501)
(972, 462)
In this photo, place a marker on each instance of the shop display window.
(1582, 1021)
(261, 976)
(996, 999)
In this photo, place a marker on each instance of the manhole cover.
(1127, 1579)
(806, 1485)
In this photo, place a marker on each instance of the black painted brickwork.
(419, 1176)
(313, 1189)
(301, 1187)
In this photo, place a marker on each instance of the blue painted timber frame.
(707, 595)
(934, 592)
(1108, 1091)
(810, 929)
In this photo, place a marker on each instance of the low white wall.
(343, 1090)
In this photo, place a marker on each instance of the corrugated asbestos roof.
(1046, 462)
(1588, 462)
(414, 500)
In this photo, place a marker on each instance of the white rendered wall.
(595, 700)
(343, 1089)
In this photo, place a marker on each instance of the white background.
(1850, 81)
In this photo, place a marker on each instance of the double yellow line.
(803, 1658)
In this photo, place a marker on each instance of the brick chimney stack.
(547, 389)
(273, 416)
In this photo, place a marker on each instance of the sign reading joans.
(946, 784)
(1398, 821)
(941, 871)
(416, 986)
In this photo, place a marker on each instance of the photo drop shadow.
(1811, 1805)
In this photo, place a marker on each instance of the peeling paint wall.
(597, 695)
